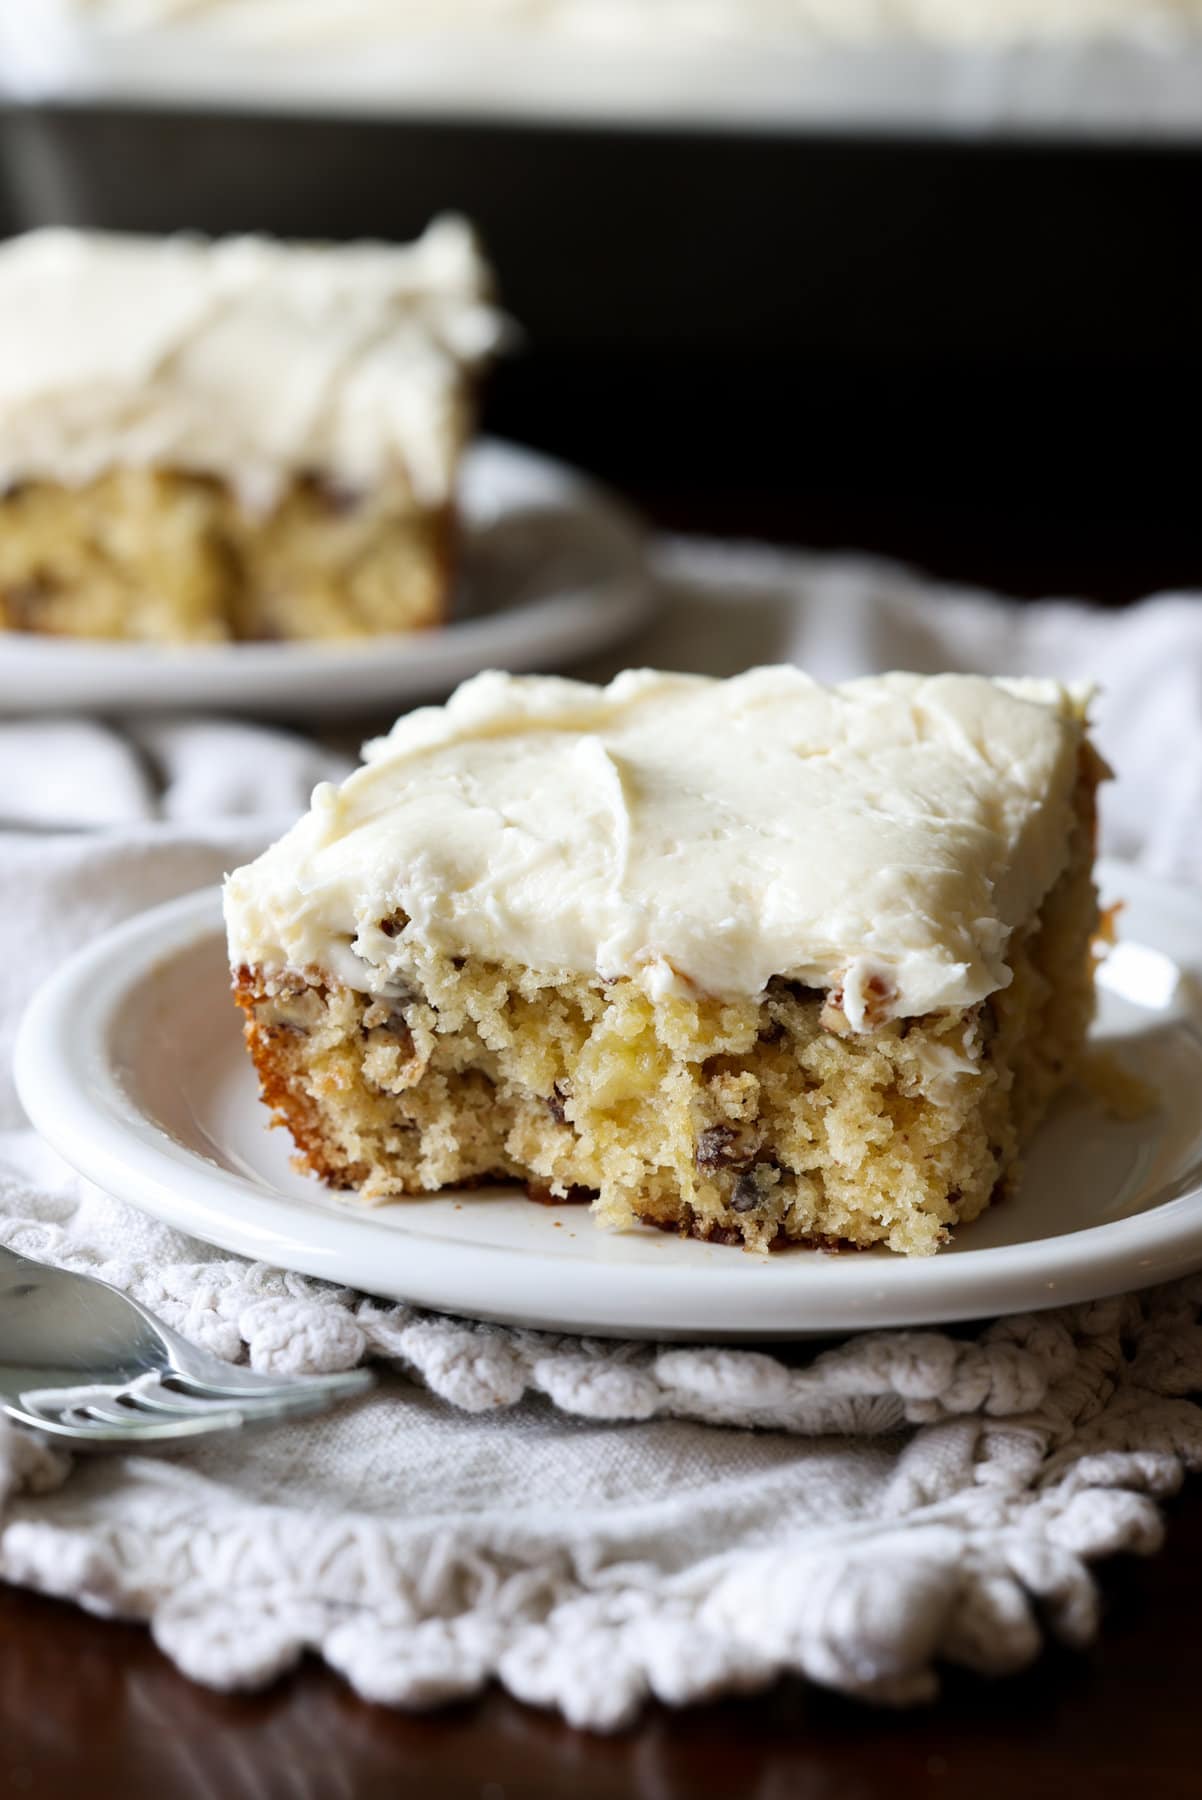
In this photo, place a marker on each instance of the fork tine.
(104, 1412)
(255, 1386)
(159, 1401)
(131, 1423)
(249, 1406)
(131, 1433)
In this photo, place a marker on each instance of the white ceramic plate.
(550, 568)
(130, 1062)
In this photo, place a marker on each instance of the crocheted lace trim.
(1025, 1452)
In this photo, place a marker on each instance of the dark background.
(981, 356)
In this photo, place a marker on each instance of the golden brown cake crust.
(289, 1105)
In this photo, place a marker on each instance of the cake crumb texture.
(171, 557)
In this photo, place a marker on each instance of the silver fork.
(85, 1365)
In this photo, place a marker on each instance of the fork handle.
(16, 1260)
(20, 1276)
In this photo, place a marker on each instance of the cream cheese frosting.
(885, 836)
(246, 358)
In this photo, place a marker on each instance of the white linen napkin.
(560, 1514)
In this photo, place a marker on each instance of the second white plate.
(551, 568)
(130, 1063)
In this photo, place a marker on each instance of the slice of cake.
(239, 439)
(758, 960)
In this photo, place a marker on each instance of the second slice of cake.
(203, 440)
(756, 960)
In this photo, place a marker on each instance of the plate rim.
(71, 1090)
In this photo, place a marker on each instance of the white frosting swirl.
(244, 358)
(885, 836)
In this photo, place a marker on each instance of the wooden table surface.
(89, 1708)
